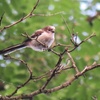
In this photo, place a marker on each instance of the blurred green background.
(75, 12)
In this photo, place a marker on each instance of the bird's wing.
(35, 35)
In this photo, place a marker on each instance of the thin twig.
(46, 15)
(92, 35)
(21, 19)
(61, 45)
(73, 62)
(30, 75)
(54, 71)
(66, 24)
(47, 74)
(1, 18)
(56, 53)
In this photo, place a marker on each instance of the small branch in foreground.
(29, 37)
(26, 35)
(30, 74)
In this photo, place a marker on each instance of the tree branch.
(65, 84)
(30, 74)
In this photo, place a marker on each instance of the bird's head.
(49, 29)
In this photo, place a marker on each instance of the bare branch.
(75, 46)
(23, 18)
(27, 16)
(66, 24)
(73, 62)
(65, 84)
(54, 71)
(30, 74)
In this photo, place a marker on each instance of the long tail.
(12, 48)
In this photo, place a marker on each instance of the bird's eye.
(49, 29)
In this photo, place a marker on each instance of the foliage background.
(13, 73)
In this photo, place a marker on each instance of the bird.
(40, 40)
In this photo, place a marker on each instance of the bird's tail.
(12, 48)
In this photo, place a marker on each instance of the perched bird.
(41, 40)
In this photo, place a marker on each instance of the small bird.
(41, 40)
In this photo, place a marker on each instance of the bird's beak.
(53, 31)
